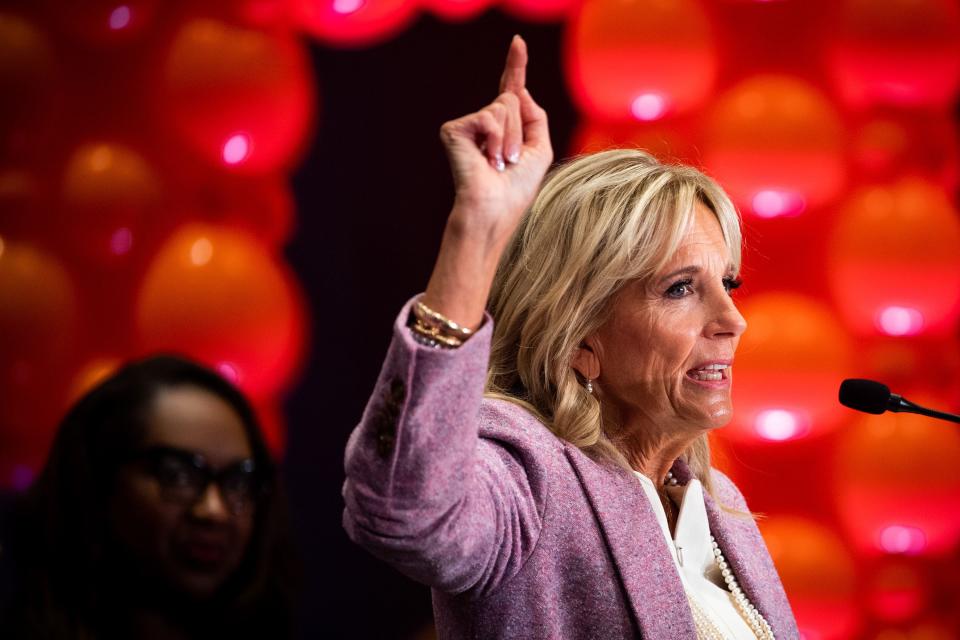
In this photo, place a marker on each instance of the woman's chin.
(198, 586)
(713, 417)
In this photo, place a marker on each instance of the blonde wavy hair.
(599, 222)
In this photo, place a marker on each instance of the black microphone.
(875, 397)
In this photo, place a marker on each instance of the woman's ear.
(585, 360)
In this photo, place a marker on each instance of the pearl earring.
(590, 386)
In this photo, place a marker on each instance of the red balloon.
(108, 192)
(776, 145)
(218, 295)
(787, 368)
(889, 243)
(818, 574)
(242, 98)
(640, 60)
(898, 482)
(272, 426)
(353, 22)
(901, 52)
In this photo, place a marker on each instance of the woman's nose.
(727, 319)
(211, 505)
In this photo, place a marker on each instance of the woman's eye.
(679, 289)
(732, 284)
(174, 474)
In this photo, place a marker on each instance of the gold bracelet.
(433, 333)
(443, 324)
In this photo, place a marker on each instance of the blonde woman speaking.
(543, 465)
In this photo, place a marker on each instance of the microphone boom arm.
(898, 404)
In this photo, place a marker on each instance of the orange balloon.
(788, 366)
(889, 244)
(901, 52)
(37, 306)
(818, 574)
(38, 316)
(95, 371)
(898, 482)
(29, 84)
(108, 192)
(640, 60)
(665, 143)
(776, 145)
(242, 98)
(216, 294)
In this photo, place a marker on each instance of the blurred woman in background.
(157, 515)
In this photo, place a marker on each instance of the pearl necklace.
(755, 620)
(706, 629)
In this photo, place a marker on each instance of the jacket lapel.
(641, 556)
(736, 537)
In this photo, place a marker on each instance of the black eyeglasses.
(184, 476)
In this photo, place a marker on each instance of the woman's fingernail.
(498, 163)
(514, 156)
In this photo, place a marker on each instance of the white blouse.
(693, 556)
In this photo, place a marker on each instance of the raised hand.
(499, 155)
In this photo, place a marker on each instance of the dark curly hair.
(70, 578)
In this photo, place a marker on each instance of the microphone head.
(864, 395)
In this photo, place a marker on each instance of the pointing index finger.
(514, 77)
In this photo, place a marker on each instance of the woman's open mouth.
(710, 373)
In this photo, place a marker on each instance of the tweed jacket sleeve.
(423, 490)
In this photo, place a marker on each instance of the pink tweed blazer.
(519, 534)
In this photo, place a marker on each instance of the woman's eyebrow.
(690, 270)
(170, 449)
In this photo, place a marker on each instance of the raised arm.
(498, 156)
(424, 491)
